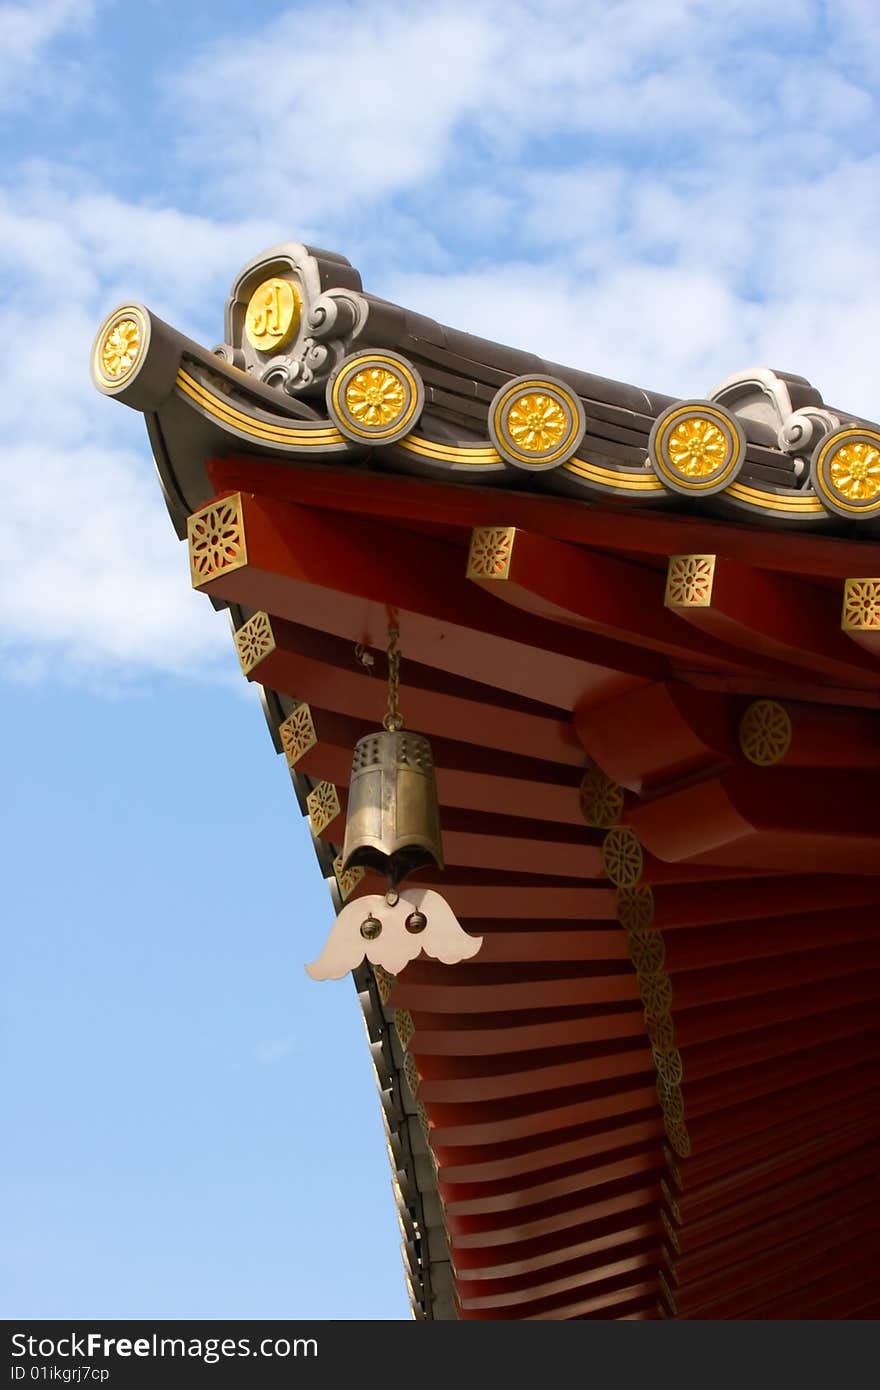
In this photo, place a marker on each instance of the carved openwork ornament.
(661, 1031)
(404, 1027)
(667, 1294)
(697, 447)
(120, 348)
(273, 314)
(601, 799)
(392, 934)
(671, 1233)
(861, 605)
(671, 1100)
(216, 540)
(536, 422)
(635, 907)
(385, 982)
(666, 1191)
(411, 1072)
(846, 472)
(765, 733)
(647, 951)
(622, 856)
(656, 993)
(346, 879)
(298, 734)
(425, 1123)
(491, 552)
(674, 1171)
(375, 397)
(254, 641)
(323, 806)
(689, 580)
(668, 1062)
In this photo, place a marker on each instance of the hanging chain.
(393, 719)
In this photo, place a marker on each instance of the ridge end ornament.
(292, 315)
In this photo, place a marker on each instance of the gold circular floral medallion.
(536, 422)
(601, 798)
(846, 472)
(375, 397)
(765, 732)
(622, 856)
(119, 348)
(696, 446)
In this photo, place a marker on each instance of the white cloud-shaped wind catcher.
(393, 934)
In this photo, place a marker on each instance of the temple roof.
(341, 377)
(652, 1092)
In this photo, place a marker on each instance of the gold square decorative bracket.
(216, 540)
(861, 606)
(254, 641)
(491, 552)
(298, 735)
(404, 1026)
(346, 879)
(689, 580)
(323, 806)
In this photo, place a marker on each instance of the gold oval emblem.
(272, 315)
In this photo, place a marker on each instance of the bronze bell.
(393, 823)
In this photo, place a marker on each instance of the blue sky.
(666, 192)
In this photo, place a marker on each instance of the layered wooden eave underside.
(619, 1093)
(656, 730)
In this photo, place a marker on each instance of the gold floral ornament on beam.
(696, 447)
(536, 423)
(601, 799)
(689, 581)
(216, 540)
(622, 856)
(375, 397)
(846, 472)
(765, 733)
(861, 605)
(254, 641)
(298, 734)
(491, 552)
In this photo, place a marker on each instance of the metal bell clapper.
(393, 827)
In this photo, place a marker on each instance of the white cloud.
(333, 103)
(659, 193)
(27, 31)
(93, 578)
